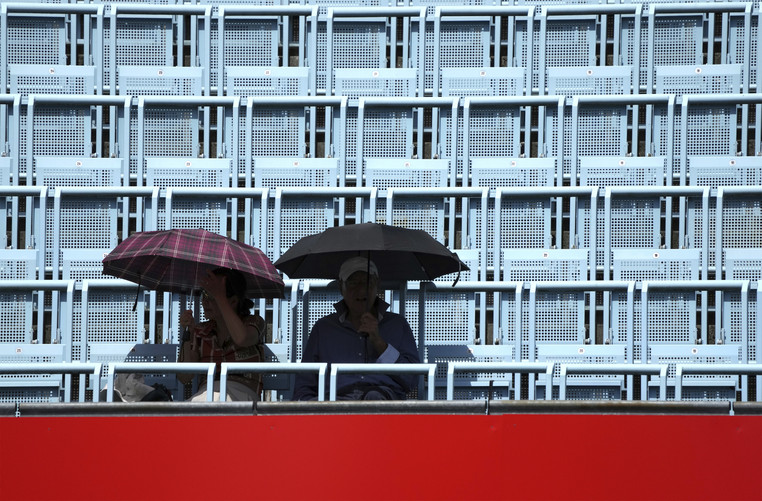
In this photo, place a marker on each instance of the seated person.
(230, 334)
(360, 331)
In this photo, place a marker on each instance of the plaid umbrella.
(399, 253)
(177, 260)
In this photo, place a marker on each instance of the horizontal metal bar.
(624, 369)
(267, 10)
(297, 101)
(422, 102)
(14, 99)
(590, 9)
(35, 285)
(273, 368)
(376, 368)
(675, 191)
(695, 284)
(583, 285)
(23, 191)
(455, 191)
(37, 8)
(322, 191)
(624, 99)
(171, 10)
(428, 407)
(721, 99)
(376, 12)
(608, 407)
(79, 100)
(163, 367)
(616, 368)
(234, 101)
(50, 367)
(107, 191)
(504, 367)
(475, 286)
(123, 409)
(180, 192)
(739, 190)
(473, 102)
(700, 8)
(729, 369)
(559, 191)
(483, 10)
(108, 283)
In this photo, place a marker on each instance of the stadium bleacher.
(615, 146)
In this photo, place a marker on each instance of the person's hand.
(187, 321)
(369, 325)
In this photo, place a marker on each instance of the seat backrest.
(603, 171)
(280, 384)
(472, 385)
(449, 317)
(742, 264)
(28, 79)
(291, 216)
(17, 308)
(698, 386)
(127, 39)
(548, 316)
(160, 80)
(107, 352)
(210, 213)
(674, 317)
(31, 387)
(588, 386)
(35, 38)
(266, 81)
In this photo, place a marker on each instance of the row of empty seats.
(597, 166)
(653, 323)
(421, 48)
(649, 140)
(58, 229)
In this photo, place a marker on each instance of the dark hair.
(235, 286)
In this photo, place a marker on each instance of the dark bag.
(160, 393)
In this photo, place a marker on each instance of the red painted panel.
(382, 457)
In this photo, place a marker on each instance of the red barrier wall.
(369, 457)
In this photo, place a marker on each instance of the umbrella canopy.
(177, 260)
(399, 253)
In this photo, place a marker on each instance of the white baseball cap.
(355, 264)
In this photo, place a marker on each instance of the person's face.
(359, 291)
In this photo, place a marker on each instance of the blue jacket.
(334, 339)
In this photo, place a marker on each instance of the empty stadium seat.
(30, 387)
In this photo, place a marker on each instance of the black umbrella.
(399, 253)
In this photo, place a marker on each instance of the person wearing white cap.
(360, 331)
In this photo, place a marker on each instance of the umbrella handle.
(457, 277)
(137, 294)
